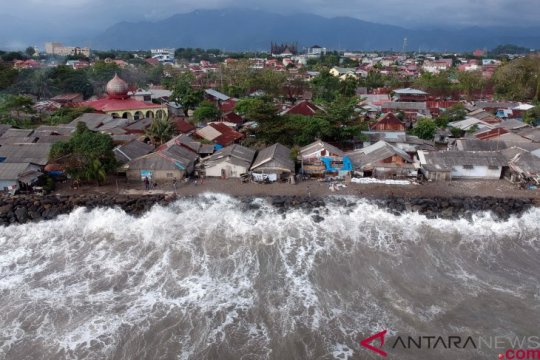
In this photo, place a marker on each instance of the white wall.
(477, 172)
(231, 170)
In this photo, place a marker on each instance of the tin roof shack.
(37, 154)
(449, 165)
(525, 169)
(131, 150)
(319, 158)
(229, 162)
(275, 160)
(164, 165)
(13, 176)
(382, 160)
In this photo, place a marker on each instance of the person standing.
(146, 183)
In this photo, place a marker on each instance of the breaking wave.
(209, 278)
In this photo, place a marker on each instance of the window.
(468, 167)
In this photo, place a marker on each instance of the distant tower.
(404, 50)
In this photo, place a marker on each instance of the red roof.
(228, 135)
(108, 104)
(232, 118)
(152, 61)
(491, 133)
(227, 106)
(183, 126)
(305, 108)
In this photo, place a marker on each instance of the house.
(92, 120)
(304, 108)
(382, 160)
(229, 162)
(171, 163)
(131, 150)
(388, 122)
(66, 99)
(183, 126)
(449, 165)
(15, 175)
(525, 168)
(319, 157)
(275, 160)
(37, 154)
(191, 144)
(219, 133)
(469, 124)
(343, 73)
(409, 95)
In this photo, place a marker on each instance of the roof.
(305, 108)
(182, 125)
(17, 133)
(66, 97)
(131, 150)
(479, 145)
(32, 153)
(236, 154)
(404, 105)
(109, 105)
(173, 158)
(530, 133)
(468, 123)
(12, 171)
(527, 164)
(512, 124)
(4, 128)
(375, 153)
(409, 91)
(216, 94)
(54, 130)
(387, 122)
(523, 107)
(446, 160)
(227, 136)
(318, 146)
(92, 120)
(278, 154)
(232, 117)
(11, 140)
(139, 126)
(208, 133)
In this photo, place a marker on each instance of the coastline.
(431, 200)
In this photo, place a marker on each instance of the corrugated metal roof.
(277, 153)
(26, 153)
(218, 95)
(11, 171)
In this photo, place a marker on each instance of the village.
(156, 121)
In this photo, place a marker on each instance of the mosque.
(119, 104)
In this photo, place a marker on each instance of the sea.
(212, 278)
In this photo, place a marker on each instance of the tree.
(342, 118)
(424, 129)
(325, 86)
(183, 92)
(519, 79)
(65, 115)
(532, 116)
(469, 82)
(455, 113)
(8, 75)
(87, 155)
(207, 110)
(258, 109)
(14, 105)
(30, 51)
(160, 131)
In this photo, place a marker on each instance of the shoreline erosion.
(21, 209)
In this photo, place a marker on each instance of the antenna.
(404, 49)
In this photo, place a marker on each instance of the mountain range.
(242, 29)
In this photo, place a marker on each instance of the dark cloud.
(83, 15)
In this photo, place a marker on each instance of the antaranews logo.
(527, 347)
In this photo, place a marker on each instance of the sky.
(95, 15)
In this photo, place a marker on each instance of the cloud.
(99, 14)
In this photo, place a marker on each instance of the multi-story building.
(54, 48)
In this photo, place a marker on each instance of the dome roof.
(117, 88)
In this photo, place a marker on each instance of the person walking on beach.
(146, 183)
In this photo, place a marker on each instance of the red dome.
(117, 88)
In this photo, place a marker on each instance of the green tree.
(342, 118)
(183, 92)
(257, 109)
(15, 105)
(532, 116)
(519, 79)
(87, 155)
(30, 51)
(325, 86)
(469, 82)
(455, 113)
(206, 111)
(8, 75)
(65, 115)
(424, 129)
(160, 131)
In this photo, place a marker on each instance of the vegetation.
(532, 116)
(184, 93)
(519, 79)
(455, 113)
(65, 115)
(207, 111)
(87, 155)
(160, 131)
(424, 128)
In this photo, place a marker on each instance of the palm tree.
(96, 171)
(160, 131)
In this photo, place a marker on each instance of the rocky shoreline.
(27, 208)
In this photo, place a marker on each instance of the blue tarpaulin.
(347, 165)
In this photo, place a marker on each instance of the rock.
(22, 214)
(317, 218)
